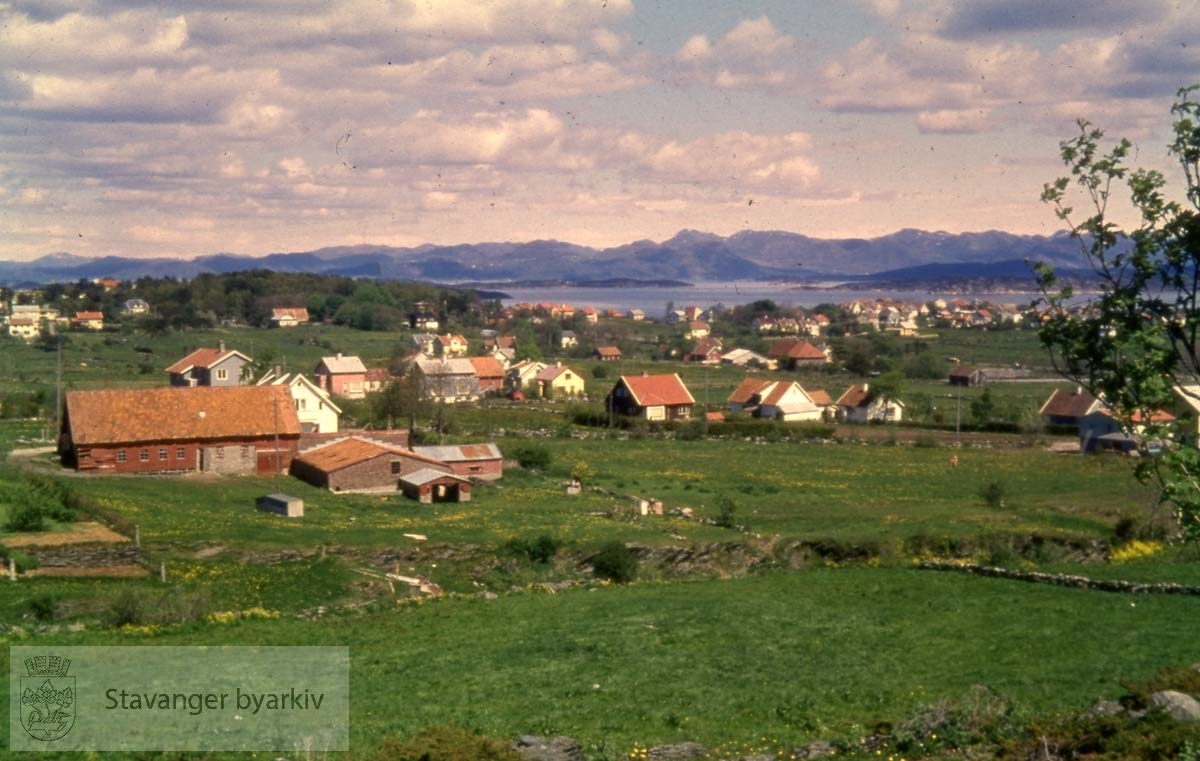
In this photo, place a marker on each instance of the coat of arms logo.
(47, 697)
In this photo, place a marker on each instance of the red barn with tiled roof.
(653, 397)
(237, 429)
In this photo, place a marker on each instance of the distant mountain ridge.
(906, 256)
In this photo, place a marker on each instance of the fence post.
(162, 571)
(137, 535)
(12, 569)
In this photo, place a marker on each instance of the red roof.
(203, 358)
(653, 390)
(608, 351)
(748, 389)
(487, 367)
(855, 396)
(179, 414)
(795, 349)
(1070, 403)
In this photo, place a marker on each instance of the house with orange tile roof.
(775, 400)
(219, 429)
(288, 317)
(489, 374)
(607, 353)
(357, 464)
(88, 320)
(651, 397)
(792, 353)
(211, 367)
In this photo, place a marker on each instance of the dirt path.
(84, 532)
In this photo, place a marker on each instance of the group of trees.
(248, 298)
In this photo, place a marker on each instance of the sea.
(654, 301)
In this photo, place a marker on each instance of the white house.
(314, 408)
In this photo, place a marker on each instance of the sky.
(178, 129)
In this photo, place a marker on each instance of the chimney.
(339, 355)
(221, 347)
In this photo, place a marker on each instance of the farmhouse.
(775, 400)
(489, 374)
(791, 353)
(1066, 407)
(342, 376)
(559, 382)
(288, 317)
(88, 320)
(481, 461)
(314, 408)
(1101, 431)
(651, 397)
(523, 375)
(239, 429)
(858, 405)
(962, 375)
(210, 367)
(607, 353)
(447, 380)
(358, 465)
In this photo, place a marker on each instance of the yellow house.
(559, 382)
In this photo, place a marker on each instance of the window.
(222, 375)
(220, 453)
(180, 453)
(121, 456)
(395, 467)
(144, 455)
(245, 452)
(162, 453)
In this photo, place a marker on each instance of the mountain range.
(902, 259)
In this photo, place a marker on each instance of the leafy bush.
(726, 510)
(43, 607)
(615, 562)
(447, 742)
(541, 549)
(532, 456)
(992, 494)
(26, 516)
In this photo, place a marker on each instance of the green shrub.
(616, 563)
(532, 456)
(25, 515)
(447, 742)
(992, 494)
(43, 607)
(541, 549)
(726, 511)
(127, 608)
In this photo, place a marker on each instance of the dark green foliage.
(447, 742)
(43, 606)
(992, 493)
(532, 456)
(726, 512)
(25, 516)
(540, 549)
(616, 563)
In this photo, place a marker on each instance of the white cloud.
(954, 122)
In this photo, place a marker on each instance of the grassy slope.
(782, 657)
